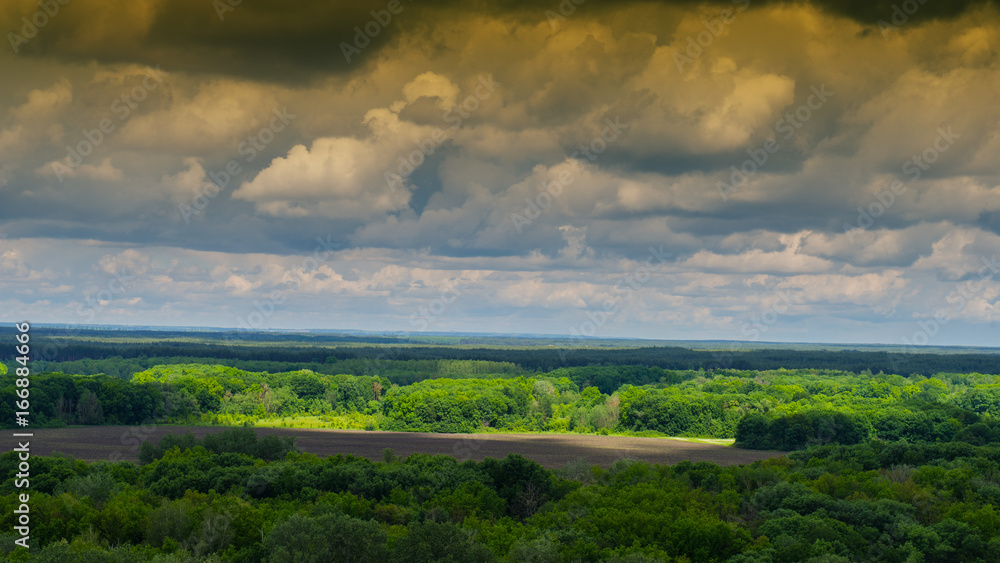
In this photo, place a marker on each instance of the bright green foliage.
(463, 405)
(779, 409)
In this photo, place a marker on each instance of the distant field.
(95, 443)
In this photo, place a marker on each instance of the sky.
(745, 170)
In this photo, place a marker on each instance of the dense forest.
(231, 497)
(125, 352)
(778, 409)
(885, 465)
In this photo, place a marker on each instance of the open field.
(94, 443)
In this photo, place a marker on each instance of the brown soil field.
(94, 443)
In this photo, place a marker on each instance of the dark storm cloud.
(655, 186)
(866, 11)
(300, 41)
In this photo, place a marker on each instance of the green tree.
(88, 409)
(330, 538)
(439, 542)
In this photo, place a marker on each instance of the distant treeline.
(302, 355)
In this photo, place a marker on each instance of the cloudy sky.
(743, 170)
